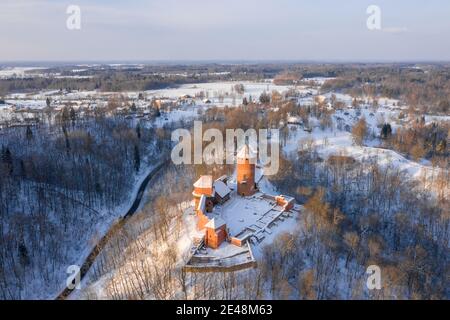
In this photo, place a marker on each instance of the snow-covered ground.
(340, 143)
(338, 140)
(238, 212)
(335, 141)
(213, 91)
(153, 248)
(16, 72)
(198, 95)
(318, 80)
(110, 218)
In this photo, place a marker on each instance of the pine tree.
(23, 254)
(29, 133)
(65, 116)
(137, 158)
(72, 115)
(264, 98)
(386, 131)
(66, 137)
(138, 131)
(7, 160)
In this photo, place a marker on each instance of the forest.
(356, 214)
(60, 182)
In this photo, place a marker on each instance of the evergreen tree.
(138, 131)
(29, 133)
(65, 116)
(264, 98)
(72, 115)
(66, 137)
(7, 160)
(23, 254)
(23, 170)
(137, 158)
(386, 131)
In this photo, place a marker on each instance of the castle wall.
(214, 238)
(202, 220)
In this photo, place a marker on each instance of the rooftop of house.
(215, 223)
(204, 182)
(221, 188)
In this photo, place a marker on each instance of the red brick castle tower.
(245, 175)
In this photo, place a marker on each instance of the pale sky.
(137, 30)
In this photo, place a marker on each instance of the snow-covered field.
(338, 140)
(213, 90)
(199, 95)
(16, 72)
(340, 143)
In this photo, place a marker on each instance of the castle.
(209, 193)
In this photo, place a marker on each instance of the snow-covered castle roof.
(215, 223)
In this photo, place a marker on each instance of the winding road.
(104, 240)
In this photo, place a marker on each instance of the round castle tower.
(245, 174)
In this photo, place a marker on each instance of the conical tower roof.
(246, 153)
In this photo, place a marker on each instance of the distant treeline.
(109, 82)
(105, 78)
(150, 77)
(426, 87)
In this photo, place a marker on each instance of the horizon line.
(224, 61)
